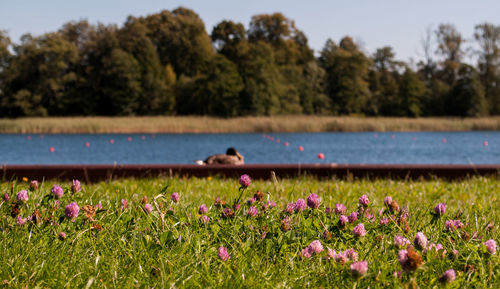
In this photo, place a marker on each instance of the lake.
(343, 148)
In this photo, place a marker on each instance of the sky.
(374, 24)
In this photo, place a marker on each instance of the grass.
(192, 124)
(172, 247)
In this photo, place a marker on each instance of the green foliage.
(166, 64)
(172, 247)
(467, 96)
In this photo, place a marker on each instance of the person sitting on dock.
(232, 157)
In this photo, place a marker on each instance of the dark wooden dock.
(94, 173)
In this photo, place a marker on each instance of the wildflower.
(263, 235)
(22, 196)
(300, 205)
(384, 221)
(61, 235)
(452, 225)
(436, 247)
(440, 209)
(251, 200)
(359, 268)
(222, 253)
(359, 230)
(72, 210)
(236, 207)
(252, 211)
(57, 191)
(75, 187)
(353, 217)
(313, 201)
(331, 253)
(6, 197)
(409, 259)
(98, 206)
(271, 204)
(205, 219)
(148, 208)
(290, 208)
(491, 246)
(448, 276)
(244, 181)
(34, 185)
(388, 201)
(306, 253)
(342, 221)
(316, 246)
(218, 202)
(340, 209)
(364, 201)
(258, 195)
(351, 254)
(328, 210)
(420, 240)
(124, 204)
(286, 224)
(175, 197)
(227, 213)
(203, 209)
(401, 241)
(341, 258)
(21, 221)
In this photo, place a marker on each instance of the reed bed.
(194, 124)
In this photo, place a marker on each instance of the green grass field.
(172, 247)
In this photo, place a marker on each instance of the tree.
(156, 96)
(347, 71)
(411, 90)
(467, 95)
(450, 48)
(230, 39)
(488, 37)
(384, 78)
(217, 91)
(180, 39)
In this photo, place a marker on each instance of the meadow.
(285, 233)
(284, 123)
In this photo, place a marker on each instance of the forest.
(168, 64)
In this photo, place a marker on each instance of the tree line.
(167, 64)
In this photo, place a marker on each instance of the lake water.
(344, 148)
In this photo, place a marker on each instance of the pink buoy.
(301, 148)
(393, 136)
(443, 140)
(485, 143)
(111, 141)
(143, 137)
(87, 144)
(321, 156)
(286, 144)
(28, 137)
(414, 138)
(278, 140)
(129, 138)
(52, 149)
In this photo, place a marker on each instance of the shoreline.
(275, 124)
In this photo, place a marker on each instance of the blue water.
(342, 148)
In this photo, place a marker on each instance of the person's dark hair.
(231, 151)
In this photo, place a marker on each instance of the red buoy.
(52, 149)
(301, 148)
(129, 138)
(286, 144)
(321, 156)
(111, 141)
(485, 143)
(87, 144)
